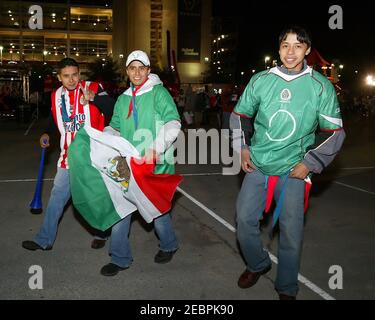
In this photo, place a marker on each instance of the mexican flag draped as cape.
(107, 184)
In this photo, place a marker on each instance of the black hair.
(303, 35)
(66, 62)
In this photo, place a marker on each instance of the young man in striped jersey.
(75, 103)
(288, 105)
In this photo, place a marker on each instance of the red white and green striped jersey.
(288, 109)
(78, 113)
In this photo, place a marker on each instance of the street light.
(266, 59)
(1, 55)
(370, 80)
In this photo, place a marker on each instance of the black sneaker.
(111, 269)
(32, 245)
(164, 256)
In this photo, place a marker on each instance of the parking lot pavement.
(338, 232)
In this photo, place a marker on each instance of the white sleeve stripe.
(335, 121)
(242, 132)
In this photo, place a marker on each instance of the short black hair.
(66, 62)
(303, 35)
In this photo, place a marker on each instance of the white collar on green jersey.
(153, 80)
(290, 77)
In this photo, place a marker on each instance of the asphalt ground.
(339, 233)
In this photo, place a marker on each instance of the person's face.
(69, 76)
(292, 52)
(137, 72)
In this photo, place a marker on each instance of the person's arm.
(101, 100)
(115, 120)
(241, 124)
(104, 102)
(325, 149)
(242, 131)
(167, 134)
(50, 129)
(331, 137)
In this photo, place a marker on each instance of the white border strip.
(301, 278)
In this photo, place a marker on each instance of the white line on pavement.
(354, 188)
(301, 278)
(209, 211)
(28, 129)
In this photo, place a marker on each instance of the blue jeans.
(60, 195)
(120, 249)
(250, 207)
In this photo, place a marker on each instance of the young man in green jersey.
(279, 150)
(146, 116)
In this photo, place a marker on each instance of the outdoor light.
(266, 59)
(341, 66)
(370, 80)
(1, 55)
(45, 52)
(206, 59)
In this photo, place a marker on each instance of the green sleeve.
(329, 109)
(165, 105)
(249, 102)
(115, 121)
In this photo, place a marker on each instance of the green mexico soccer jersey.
(155, 107)
(288, 109)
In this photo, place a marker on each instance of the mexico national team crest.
(285, 95)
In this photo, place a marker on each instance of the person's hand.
(300, 171)
(151, 156)
(246, 163)
(44, 140)
(88, 95)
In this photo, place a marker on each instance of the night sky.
(261, 22)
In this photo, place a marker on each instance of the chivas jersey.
(70, 114)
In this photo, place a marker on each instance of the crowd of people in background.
(203, 106)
